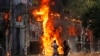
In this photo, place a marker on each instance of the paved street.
(85, 54)
(77, 54)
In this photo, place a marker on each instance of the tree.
(78, 7)
(91, 18)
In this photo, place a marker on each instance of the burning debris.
(50, 33)
(55, 26)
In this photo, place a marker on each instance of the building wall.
(16, 2)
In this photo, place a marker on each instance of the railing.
(90, 47)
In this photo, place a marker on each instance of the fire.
(49, 32)
(72, 31)
(6, 16)
(19, 19)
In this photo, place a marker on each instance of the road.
(85, 54)
(76, 54)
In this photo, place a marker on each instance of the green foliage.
(92, 14)
(78, 7)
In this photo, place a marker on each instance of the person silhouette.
(66, 48)
(55, 47)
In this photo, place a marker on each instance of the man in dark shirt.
(65, 48)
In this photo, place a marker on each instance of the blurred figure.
(55, 47)
(65, 48)
(87, 44)
(1, 51)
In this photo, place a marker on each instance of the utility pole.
(10, 18)
(25, 39)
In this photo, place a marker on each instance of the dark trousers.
(65, 53)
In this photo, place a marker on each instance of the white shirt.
(55, 47)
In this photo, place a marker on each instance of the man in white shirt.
(55, 47)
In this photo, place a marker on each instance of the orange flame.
(49, 33)
(72, 31)
(19, 19)
(6, 16)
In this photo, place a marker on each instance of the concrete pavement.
(76, 54)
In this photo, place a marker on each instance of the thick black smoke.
(64, 2)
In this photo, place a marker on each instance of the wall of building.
(16, 2)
